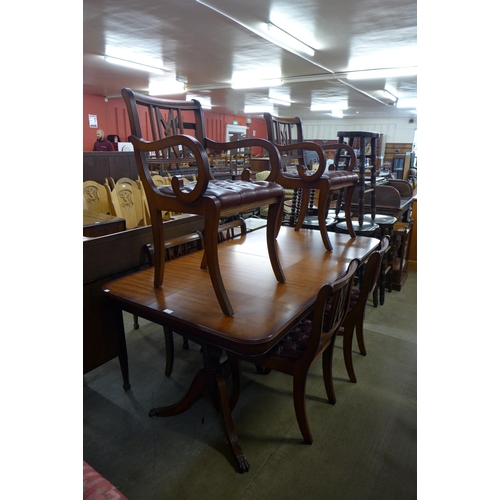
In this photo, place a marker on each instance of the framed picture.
(93, 121)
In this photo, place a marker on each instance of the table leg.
(117, 314)
(211, 378)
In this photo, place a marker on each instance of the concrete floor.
(365, 446)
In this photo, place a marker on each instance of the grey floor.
(365, 446)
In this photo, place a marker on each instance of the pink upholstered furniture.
(95, 487)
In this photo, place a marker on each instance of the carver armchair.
(178, 132)
(286, 134)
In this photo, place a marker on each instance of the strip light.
(134, 65)
(289, 40)
(277, 100)
(381, 73)
(166, 87)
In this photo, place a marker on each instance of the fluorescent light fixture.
(321, 107)
(166, 87)
(337, 113)
(258, 109)
(390, 96)
(247, 83)
(329, 106)
(277, 100)
(381, 73)
(205, 102)
(286, 40)
(134, 65)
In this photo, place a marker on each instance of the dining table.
(264, 309)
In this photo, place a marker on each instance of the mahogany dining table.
(264, 309)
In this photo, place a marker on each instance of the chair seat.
(366, 229)
(340, 177)
(380, 219)
(335, 178)
(295, 343)
(233, 193)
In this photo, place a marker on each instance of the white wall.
(393, 130)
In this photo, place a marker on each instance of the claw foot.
(243, 465)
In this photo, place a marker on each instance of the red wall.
(112, 118)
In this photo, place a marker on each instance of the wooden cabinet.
(393, 157)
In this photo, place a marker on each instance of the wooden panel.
(98, 166)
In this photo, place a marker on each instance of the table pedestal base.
(211, 378)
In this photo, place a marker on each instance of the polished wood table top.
(98, 224)
(264, 309)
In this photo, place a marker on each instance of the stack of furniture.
(366, 162)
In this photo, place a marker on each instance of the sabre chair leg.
(272, 246)
(159, 246)
(360, 337)
(323, 206)
(212, 261)
(299, 402)
(347, 209)
(347, 348)
(327, 362)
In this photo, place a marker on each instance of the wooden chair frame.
(330, 309)
(168, 122)
(356, 314)
(279, 132)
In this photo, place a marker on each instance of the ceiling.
(207, 43)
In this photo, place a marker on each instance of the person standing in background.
(102, 144)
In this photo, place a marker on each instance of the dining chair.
(306, 341)
(179, 138)
(96, 197)
(286, 134)
(356, 313)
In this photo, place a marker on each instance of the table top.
(264, 308)
(90, 218)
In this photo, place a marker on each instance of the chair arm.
(274, 156)
(141, 147)
(349, 150)
(301, 169)
(403, 186)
